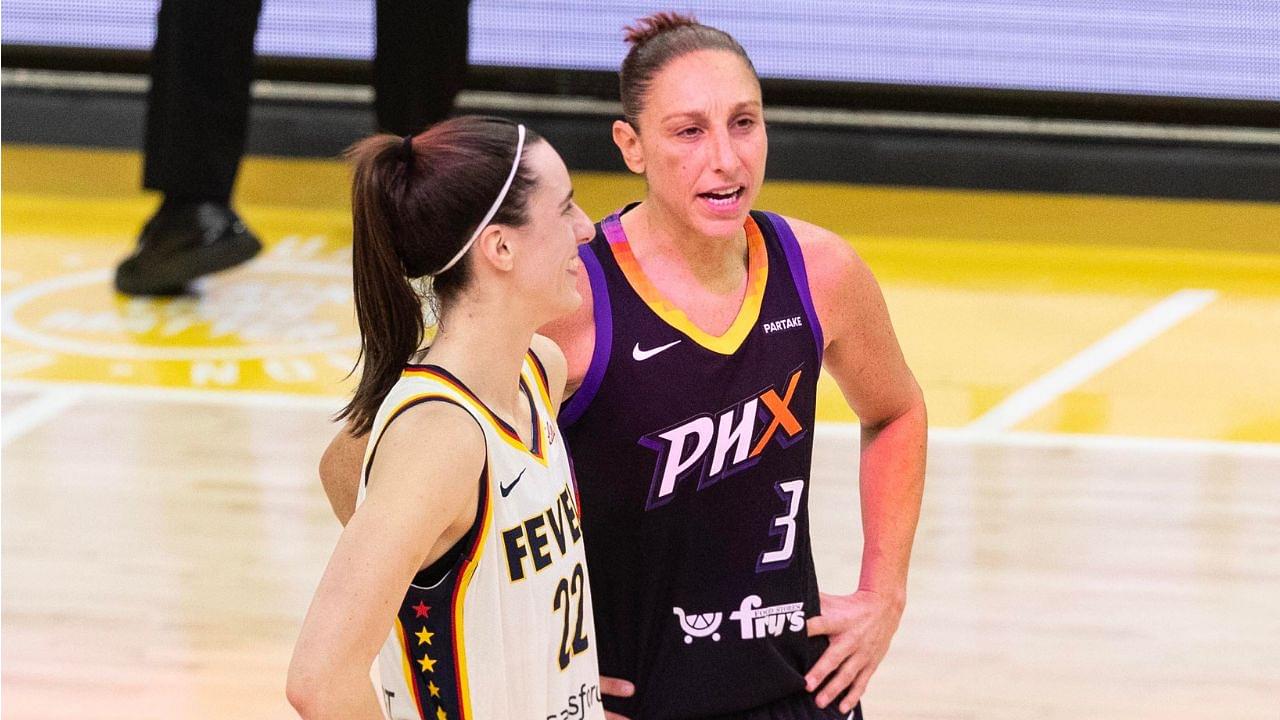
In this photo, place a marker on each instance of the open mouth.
(724, 197)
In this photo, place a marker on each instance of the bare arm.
(418, 504)
(340, 471)
(863, 356)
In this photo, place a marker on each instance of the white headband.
(515, 165)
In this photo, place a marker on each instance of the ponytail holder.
(406, 149)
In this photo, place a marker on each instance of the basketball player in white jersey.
(463, 561)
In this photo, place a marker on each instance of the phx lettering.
(713, 447)
(529, 542)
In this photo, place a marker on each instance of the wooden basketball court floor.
(1101, 529)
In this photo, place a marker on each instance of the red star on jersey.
(422, 609)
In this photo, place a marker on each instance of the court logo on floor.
(283, 322)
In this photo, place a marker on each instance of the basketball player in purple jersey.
(696, 359)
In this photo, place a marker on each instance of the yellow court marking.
(282, 323)
(988, 292)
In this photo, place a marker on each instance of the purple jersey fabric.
(693, 469)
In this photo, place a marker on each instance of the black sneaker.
(181, 243)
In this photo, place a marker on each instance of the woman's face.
(701, 142)
(547, 265)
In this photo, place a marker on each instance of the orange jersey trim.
(460, 596)
(729, 342)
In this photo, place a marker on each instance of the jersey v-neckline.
(732, 338)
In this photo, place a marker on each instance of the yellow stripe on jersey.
(402, 638)
(748, 313)
(505, 431)
(540, 380)
(405, 405)
(459, 599)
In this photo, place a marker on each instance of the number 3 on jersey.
(791, 491)
(568, 589)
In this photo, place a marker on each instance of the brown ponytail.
(657, 40)
(413, 205)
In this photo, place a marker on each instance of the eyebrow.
(699, 115)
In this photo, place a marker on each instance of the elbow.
(909, 414)
(305, 689)
(302, 696)
(914, 410)
(919, 408)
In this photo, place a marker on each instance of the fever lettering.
(538, 539)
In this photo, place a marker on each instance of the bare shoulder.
(553, 361)
(824, 251)
(838, 277)
(575, 334)
(862, 352)
(443, 467)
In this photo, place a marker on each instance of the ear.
(628, 142)
(496, 248)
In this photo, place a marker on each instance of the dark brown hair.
(657, 40)
(413, 206)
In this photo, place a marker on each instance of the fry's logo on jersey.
(714, 447)
(756, 622)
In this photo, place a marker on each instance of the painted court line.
(34, 413)
(849, 434)
(1106, 352)
(841, 432)
(137, 393)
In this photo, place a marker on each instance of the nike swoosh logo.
(506, 489)
(639, 354)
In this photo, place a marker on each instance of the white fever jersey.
(501, 627)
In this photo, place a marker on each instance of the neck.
(712, 260)
(484, 345)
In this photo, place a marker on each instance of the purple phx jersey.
(692, 457)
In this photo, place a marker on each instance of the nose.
(723, 155)
(583, 229)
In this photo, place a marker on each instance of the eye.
(689, 132)
(745, 122)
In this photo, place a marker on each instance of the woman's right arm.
(417, 497)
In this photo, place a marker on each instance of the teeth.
(723, 194)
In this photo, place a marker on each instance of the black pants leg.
(421, 61)
(198, 105)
